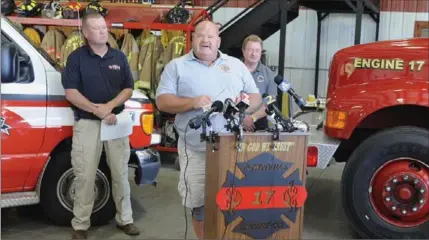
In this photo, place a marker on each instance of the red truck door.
(23, 109)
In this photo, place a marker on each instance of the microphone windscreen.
(217, 106)
(245, 98)
(278, 79)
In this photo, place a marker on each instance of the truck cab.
(36, 133)
(377, 122)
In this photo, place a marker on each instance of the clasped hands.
(104, 112)
(203, 100)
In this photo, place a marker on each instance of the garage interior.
(300, 39)
(160, 215)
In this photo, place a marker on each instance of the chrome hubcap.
(66, 190)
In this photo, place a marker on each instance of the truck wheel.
(385, 185)
(57, 192)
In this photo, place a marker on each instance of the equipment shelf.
(128, 16)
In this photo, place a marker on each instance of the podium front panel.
(258, 192)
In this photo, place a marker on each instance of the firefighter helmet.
(29, 8)
(178, 14)
(52, 9)
(72, 11)
(96, 7)
(7, 7)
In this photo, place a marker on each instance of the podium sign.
(258, 192)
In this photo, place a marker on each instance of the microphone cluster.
(230, 108)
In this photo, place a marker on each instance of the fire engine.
(36, 132)
(376, 120)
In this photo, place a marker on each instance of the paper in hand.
(122, 128)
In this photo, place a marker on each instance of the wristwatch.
(254, 118)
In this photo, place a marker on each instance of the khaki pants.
(85, 157)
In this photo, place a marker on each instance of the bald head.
(206, 41)
(207, 25)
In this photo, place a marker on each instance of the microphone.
(229, 111)
(242, 101)
(217, 106)
(278, 116)
(285, 86)
(270, 103)
(229, 108)
(196, 122)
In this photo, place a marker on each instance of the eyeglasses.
(250, 50)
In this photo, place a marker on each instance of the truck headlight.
(146, 123)
(336, 119)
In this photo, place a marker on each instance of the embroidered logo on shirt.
(224, 68)
(115, 67)
(260, 78)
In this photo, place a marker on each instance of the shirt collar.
(259, 67)
(109, 53)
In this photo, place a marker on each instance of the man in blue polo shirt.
(97, 81)
(263, 77)
(189, 83)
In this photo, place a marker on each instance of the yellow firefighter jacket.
(150, 51)
(52, 43)
(131, 50)
(175, 48)
(73, 42)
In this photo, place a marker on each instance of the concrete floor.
(157, 208)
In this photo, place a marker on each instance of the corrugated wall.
(405, 5)
(301, 37)
(338, 32)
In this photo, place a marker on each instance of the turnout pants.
(85, 157)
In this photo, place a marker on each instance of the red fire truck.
(377, 122)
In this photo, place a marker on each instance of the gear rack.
(125, 16)
(138, 16)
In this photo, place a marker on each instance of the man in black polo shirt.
(97, 81)
(263, 77)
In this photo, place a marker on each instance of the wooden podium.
(258, 192)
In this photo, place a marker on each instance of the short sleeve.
(128, 76)
(168, 82)
(249, 82)
(272, 86)
(71, 77)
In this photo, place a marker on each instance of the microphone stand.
(276, 130)
(287, 125)
(240, 137)
(203, 134)
(211, 138)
